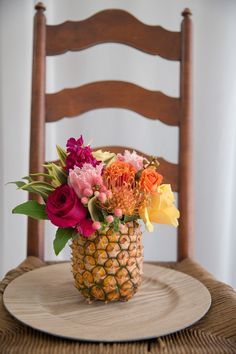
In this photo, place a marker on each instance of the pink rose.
(63, 207)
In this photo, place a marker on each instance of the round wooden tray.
(46, 299)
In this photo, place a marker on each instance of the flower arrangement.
(89, 191)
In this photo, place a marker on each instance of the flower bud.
(96, 225)
(102, 197)
(109, 219)
(118, 212)
(84, 200)
(88, 192)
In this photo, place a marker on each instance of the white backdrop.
(214, 116)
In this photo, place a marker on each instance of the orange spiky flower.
(119, 178)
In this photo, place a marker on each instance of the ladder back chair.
(215, 332)
(115, 26)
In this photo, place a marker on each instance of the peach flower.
(150, 179)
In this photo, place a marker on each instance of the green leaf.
(94, 210)
(31, 208)
(39, 184)
(46, 175)
(38, 190)
(130, 218)
(28, 178)
(61, 239)
(44, 189)
(18, 183)
(104, 213)
(116, 224)
(74, 235)
(58, 174)
(48, 166)
(62, 155)
(106, 157)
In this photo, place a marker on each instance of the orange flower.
(119, 173)
(119, 178)
(150, 179)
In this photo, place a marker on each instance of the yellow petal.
(143, 212)
(167, 216)
(161, 209)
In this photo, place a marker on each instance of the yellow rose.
(161, 209)
(105, 156)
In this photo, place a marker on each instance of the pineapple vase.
(108, 265)
(95, 199)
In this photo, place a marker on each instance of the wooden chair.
(216, 331)
(101, 28)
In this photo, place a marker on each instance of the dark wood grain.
(116, 94)
(115, 26)
(119, 27)
(35, 243)
(185, 230)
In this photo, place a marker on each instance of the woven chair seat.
(214, 333)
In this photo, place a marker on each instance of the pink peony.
(64, 208)
(133, 158)
(86, 178)
(78, 154)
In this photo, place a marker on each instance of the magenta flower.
(85, 227)
(63, 207)
(78, 154)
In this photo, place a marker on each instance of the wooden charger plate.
(46, 299)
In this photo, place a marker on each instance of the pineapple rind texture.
(108, 266)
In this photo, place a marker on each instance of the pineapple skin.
(108, 265)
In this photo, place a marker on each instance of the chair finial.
(40, 6)
(187, 12)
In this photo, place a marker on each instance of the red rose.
(63, 207)
(85, 227)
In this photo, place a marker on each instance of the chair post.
(185, 231)
(35, 241)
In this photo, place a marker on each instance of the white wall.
(214, 115)
(15, 74)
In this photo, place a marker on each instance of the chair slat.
(112, 94)
(115, 26)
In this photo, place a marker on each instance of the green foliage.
(61, 239)
(19, 184)
(56, 173)
(130, 218)
(116, 224)
(59, 174)
(39, 187)
(56, 176)
(94, 210)
(31, 208)
(28, 178)
(62, 155)
(46, 175)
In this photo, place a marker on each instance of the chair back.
(115, 26)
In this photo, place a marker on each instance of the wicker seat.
(214, 333)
